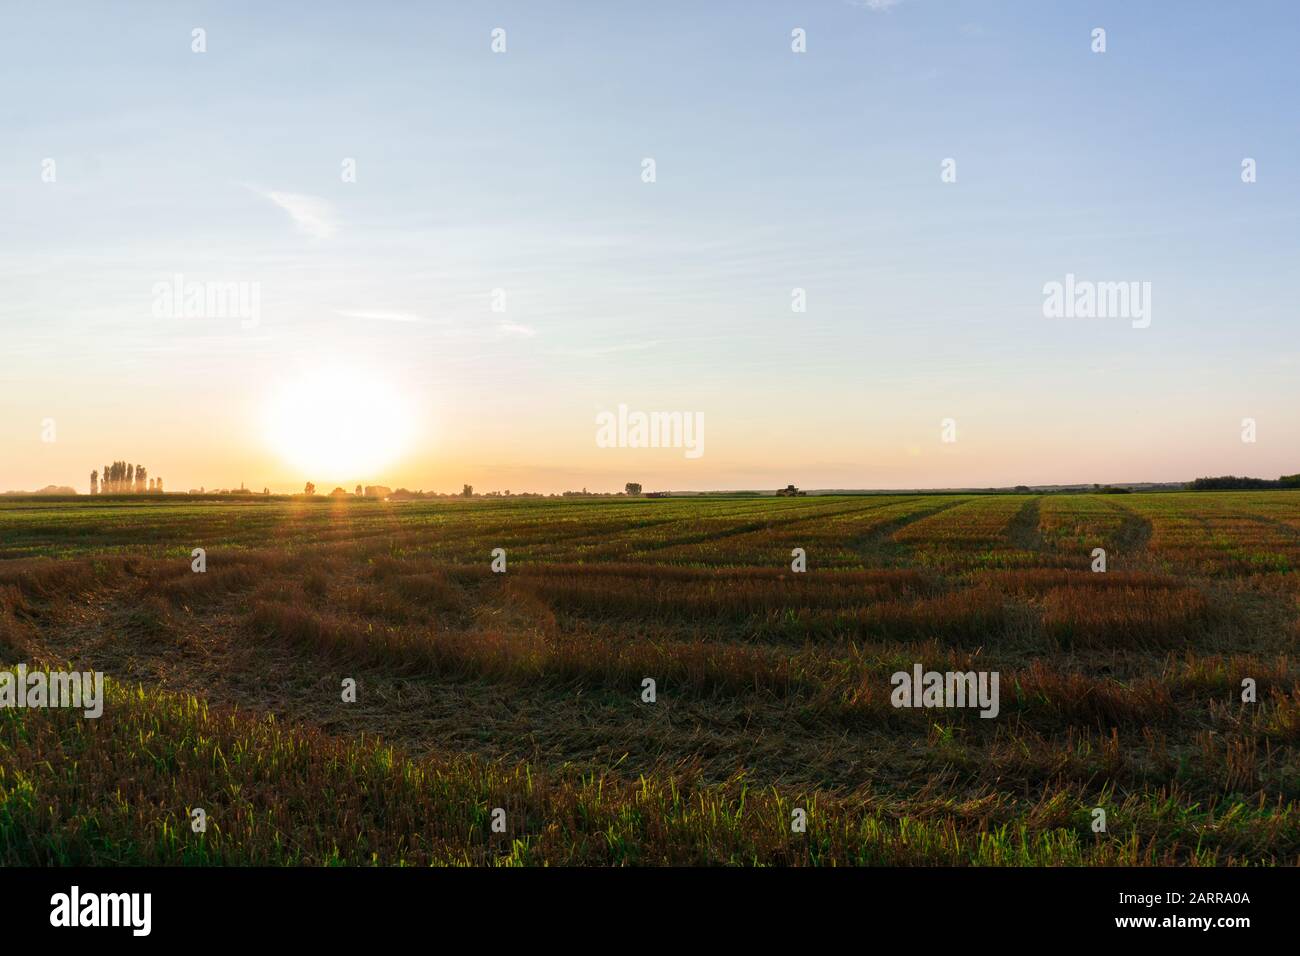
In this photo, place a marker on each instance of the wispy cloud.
(876, 5)
(515, 329)
(314, 216)
(381, 315)
(599, 350)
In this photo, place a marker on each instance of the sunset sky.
(377, 356)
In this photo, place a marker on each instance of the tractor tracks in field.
(782, 523)
(877, 545)
(1129, 540)
(1134, 534)
(1022, 529)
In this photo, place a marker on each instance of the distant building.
(789, 491)
(656, 494)
(378, 491)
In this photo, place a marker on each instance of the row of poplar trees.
(122, 478)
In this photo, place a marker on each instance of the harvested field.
(524, 690)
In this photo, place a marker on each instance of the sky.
(459, 264)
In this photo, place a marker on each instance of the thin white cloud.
(314, 216)
(876, 5)
(514, 328)
(381, 315)
(598, 351)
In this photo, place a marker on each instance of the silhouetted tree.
(632, 488)
(467, 491)
(358, 491)
(310, 489)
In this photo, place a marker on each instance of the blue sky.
(775, 170)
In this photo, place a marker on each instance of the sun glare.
(338, 424)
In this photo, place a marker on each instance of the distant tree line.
(47, 490)
(123, 478)
(1233, 483)
(632, 490)
(406, 494)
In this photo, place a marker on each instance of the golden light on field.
(338, 423)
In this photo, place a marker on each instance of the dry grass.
(523, 690)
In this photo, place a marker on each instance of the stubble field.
(523, 691)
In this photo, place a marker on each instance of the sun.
(338, 423)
